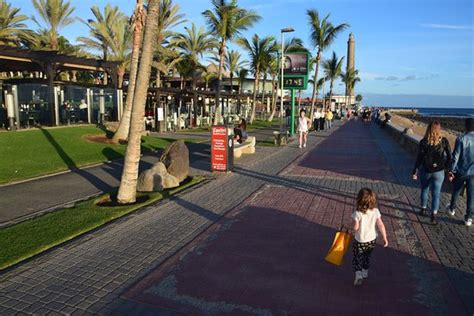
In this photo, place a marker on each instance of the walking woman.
(303, 123)
(434, 157)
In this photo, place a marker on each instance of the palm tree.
(55, 14)
(101, 29)
(259, 50)
(350, 78)
(194, 44)
(121, 47)
(273, 69)
(165, 54)
(320, 84)
(128, 185)
(242, 75)
(323, 34)
(208, 75)
(233, 64)
(226, 21)
(12, 28)
(332, 70)
(137, 25)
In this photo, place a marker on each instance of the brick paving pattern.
(266, 255)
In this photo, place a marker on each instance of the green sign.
(295, 82)
(295, 71)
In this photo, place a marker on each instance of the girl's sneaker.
(304, 145)
(468, 222)
(365, 273)
(358, 278)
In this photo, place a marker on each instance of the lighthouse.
(350, 61)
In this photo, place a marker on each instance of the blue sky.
(422, 47)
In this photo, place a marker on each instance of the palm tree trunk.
(120, 74)
(54, 40)
(219, 81)
(315, 84)
(124, 125)
(255, 88)
(128, 185)
(274, 93)
(239, 98)
(263, 88)
(330, 96)
(299, 100)
(195, 102)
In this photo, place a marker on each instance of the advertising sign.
(295, 71)
(219, 148)
(296, 64)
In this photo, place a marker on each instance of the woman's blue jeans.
(431, 181)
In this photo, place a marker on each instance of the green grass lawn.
(257, 124)
(29, 238)
(36, 152)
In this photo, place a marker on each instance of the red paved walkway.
(266, 256)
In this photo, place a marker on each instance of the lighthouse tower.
(350, 61)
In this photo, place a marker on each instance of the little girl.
(303, 123)
(366, 217)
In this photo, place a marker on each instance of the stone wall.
(404, 136)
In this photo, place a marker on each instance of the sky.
(403, 47)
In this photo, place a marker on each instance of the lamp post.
(283, 31)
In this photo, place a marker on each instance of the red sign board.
(219, 148)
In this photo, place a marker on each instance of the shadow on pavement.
(267, 261)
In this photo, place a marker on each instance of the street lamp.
(283, 31)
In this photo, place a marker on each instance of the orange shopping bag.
(339, 247)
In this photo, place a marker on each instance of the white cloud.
(447, 26)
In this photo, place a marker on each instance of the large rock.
(176, 160)
(156, 179)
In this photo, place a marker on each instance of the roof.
(17, 59)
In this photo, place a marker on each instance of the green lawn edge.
(35, 236)
(36, 153)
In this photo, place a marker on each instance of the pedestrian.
(288, 116)
(83, 111)
(317, 116)
(462, 171)
(329, 116)
(366, 217)
(303, 123)
(322, 119)
(434, 157)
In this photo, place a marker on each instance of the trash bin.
(222, 149)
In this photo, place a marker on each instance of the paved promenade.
(253, 243)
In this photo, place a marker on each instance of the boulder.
(156, 179)
(176, 159)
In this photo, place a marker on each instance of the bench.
(247, 147)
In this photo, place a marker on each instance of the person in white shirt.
(83, 109)
(317, 116)
(303, 126)
(366, 217)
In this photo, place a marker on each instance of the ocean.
(446, 112)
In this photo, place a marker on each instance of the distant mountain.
(417, 100)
